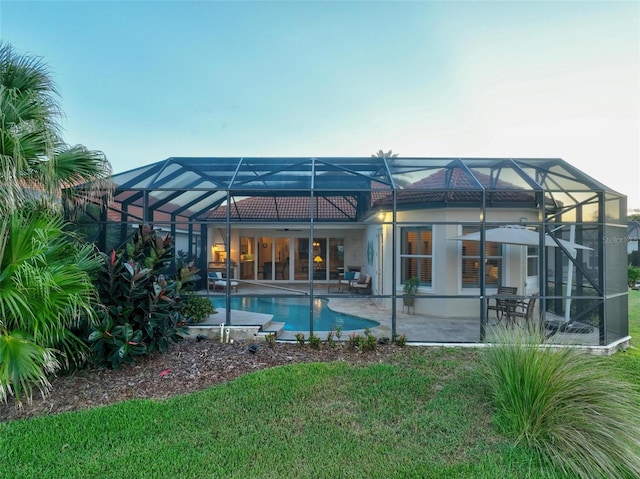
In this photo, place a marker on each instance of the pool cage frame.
(193, 194)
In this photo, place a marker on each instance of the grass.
(423, 415)
(566, 405)
(427, 413)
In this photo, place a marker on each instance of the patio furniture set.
(511, 308)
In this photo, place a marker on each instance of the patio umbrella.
(515, 234)
(520, 235)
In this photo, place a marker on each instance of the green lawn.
(634, 318)
(629, 361)
(423, 414)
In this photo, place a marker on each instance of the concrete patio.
(419, 328)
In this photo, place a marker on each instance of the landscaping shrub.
(141, 313)
(314, 341)
(196, 309)
(565, 406)
(45, 291)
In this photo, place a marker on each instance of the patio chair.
(500, 305)
(215, 280)
(347, 278)
(522, 310)
(362, 285)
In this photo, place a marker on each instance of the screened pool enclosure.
(308, 227)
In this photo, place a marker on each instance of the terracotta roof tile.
(288, 207)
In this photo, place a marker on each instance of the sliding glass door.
(285, 259)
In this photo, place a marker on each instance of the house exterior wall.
(447, 265)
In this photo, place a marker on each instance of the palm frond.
(33, 155)
(24, 364)
(45, 278)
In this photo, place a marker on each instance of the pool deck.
(418, 327)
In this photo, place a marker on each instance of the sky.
(146, 80)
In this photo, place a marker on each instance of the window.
(416, 255)
(471, 261)
(532, 261)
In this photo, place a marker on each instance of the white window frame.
(419, 256)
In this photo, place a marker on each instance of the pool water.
(294, 312)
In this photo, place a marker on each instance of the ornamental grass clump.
(565, 405)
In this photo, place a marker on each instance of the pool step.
(272, 327)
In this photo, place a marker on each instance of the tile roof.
(289, 208)
(456, 186)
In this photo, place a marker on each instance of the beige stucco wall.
(447, 253)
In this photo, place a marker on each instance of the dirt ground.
(188, 366)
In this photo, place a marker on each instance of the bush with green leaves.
(270, 339)
(355, 341)
(195, 309)
(46, 290)
(331, 338)
(314, 341)
(565, 405)
(633, 274)
(400, 339)
(136, 290)
(187, 274)
(370, 341)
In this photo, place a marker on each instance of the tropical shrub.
(136, 290)
(196, 309)
(45, 292)
(564, 405)
(187, 276)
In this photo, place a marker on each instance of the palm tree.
(383, 154)
(45, 292)
(33, 156)
(45, 274)
(399, 180)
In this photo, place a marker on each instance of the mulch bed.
(189, 366)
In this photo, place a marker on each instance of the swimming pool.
(294, 312)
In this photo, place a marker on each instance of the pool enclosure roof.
(192, 194)
(344, 189)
